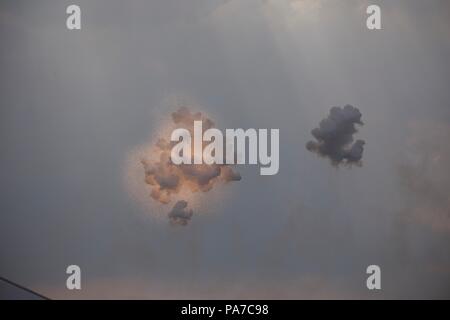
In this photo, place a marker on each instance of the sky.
(75, 106)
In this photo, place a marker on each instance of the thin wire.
(23, 288)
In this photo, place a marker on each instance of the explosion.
(168, 180)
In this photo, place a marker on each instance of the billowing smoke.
(167, 179)
(334, 136)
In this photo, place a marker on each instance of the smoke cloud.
(167, 179)
(334, 136)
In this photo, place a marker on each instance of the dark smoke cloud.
(168, 179)
(334, 136)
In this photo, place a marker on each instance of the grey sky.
(75, 103)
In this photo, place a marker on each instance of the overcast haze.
(75, 104)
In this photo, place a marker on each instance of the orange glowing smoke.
(169, 182)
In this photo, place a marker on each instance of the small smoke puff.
(185, 118)
(167, 179)
(180, 215)
(334, 136)
(229, 175)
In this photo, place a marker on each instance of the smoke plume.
(334, 136)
